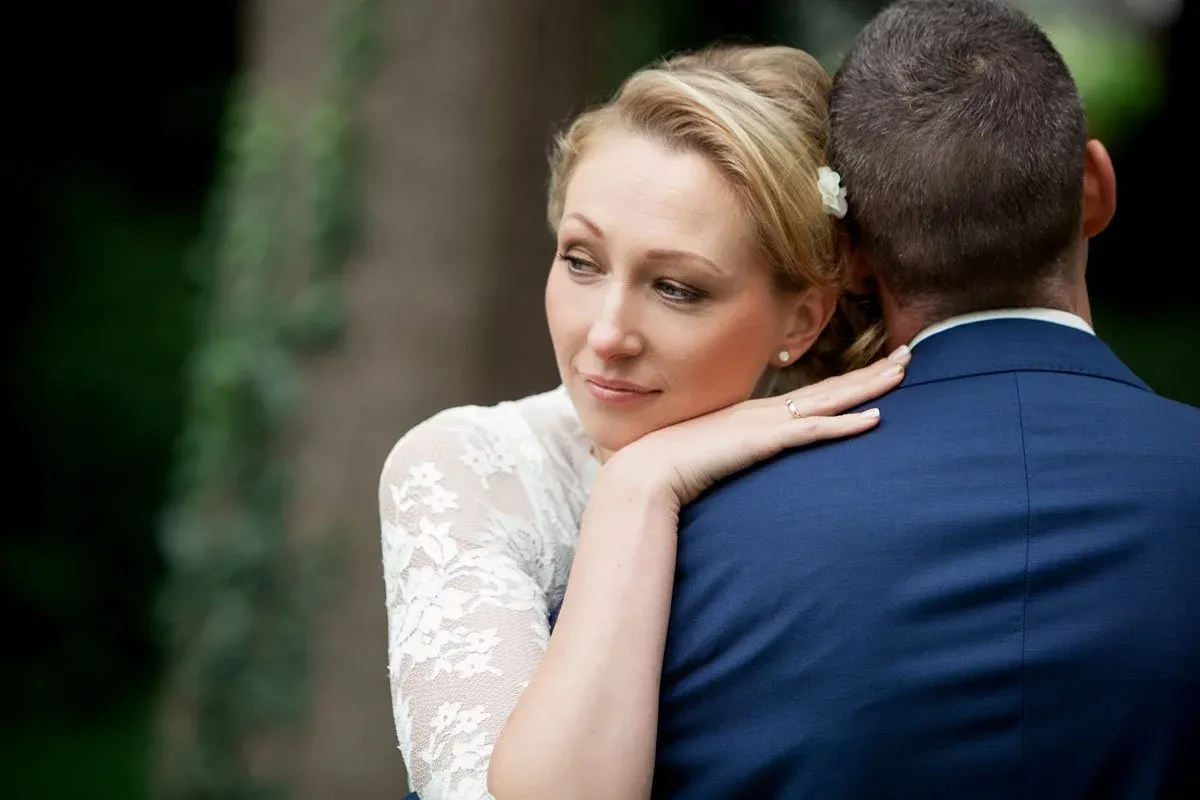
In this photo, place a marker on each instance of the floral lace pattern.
(480, 511)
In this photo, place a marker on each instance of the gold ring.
(791, 407)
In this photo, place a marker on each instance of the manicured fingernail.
(892, 372)
(871, 413)
(899, 354)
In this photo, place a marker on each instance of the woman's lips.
(615, 391)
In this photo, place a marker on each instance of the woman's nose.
(614, 332)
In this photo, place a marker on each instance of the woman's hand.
(688, 457)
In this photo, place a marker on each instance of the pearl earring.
(784, 356)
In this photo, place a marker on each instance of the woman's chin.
(607, 437)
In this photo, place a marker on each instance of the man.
(996, 593)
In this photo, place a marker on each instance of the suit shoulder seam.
(1025, 599)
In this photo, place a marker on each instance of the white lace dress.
(480, 511)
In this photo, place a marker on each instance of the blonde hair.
(760, 115)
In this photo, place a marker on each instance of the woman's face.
(659, 304)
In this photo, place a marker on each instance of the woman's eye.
(577, 265)
(679, 294)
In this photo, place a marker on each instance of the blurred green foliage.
(1163, 348)
(97, 758)
(100, 373)
(1119, 72)
(240, 596)
(231, 604)
(102, 398)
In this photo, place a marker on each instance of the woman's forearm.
(586, 726)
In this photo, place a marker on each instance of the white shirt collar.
(1042, 314)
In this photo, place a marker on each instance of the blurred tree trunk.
(443, 305)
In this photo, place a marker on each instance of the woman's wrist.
(634, 476)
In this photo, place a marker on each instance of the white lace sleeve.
(467, 616)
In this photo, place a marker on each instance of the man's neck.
(904, 322)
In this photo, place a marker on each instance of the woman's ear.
(807, 315)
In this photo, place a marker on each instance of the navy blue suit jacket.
(994, 594)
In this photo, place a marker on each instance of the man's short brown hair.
(960, 137)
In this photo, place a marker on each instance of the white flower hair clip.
(833, 194)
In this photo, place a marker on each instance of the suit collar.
(1015, 345)
(1044, 314)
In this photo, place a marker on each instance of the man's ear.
(858, 271)
(1099, 189)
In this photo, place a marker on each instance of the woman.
(696, 269)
